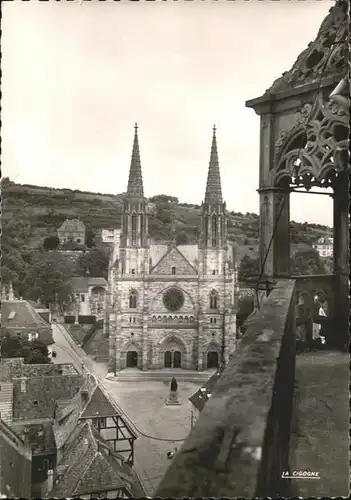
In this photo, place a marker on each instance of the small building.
(20, 319)
(15, 465)
(325, 247)
(89, 295)
(72, 231)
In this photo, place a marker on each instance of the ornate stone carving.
(327, 55)
(308, 154)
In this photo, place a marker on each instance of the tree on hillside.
(89, 238)
(249, 267)
(95, 263)
(164, 215)
(306, 262)
(34, 352)
(48, 279)
(182, 238)
(51, 243)
(163, 198)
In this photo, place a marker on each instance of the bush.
(51, 243)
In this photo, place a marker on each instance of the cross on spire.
(135, 182)
(213, 187)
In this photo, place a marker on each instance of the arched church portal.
(212, 359)
(132, 359)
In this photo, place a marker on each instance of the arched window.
(134, 229)
(173, 270)
(133, 299)
(214, 230)
(213, 300)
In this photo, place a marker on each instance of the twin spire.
(135, 182)
(213, 194)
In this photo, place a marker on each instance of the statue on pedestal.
(173, 393)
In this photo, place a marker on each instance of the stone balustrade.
(239, 446)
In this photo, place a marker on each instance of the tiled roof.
(15, 456)
(72, 225)
(21, 316)
(98, 406)
(81, 284)
(24, 315)
(10, 368)
(39, 435)
(41, 394)
(89, 467)
(200, 398)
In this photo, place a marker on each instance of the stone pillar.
(112, 344)
(275, 219)
(200, 343)
(341, 260)
(145, 318)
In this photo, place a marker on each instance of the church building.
(171, 306)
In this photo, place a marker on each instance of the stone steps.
(161, 376)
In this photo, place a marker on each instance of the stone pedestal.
(173, 398)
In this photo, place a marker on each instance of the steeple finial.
(213, 187)
(135, 182)
(173, 229)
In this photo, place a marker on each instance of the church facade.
(171, 306)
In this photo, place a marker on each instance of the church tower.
(213, 233)
(134, 231)
(135, 223)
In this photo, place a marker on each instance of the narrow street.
(160, 428)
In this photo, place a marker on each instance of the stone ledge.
(235, 447)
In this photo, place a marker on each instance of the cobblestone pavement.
(144, 403)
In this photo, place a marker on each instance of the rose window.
(173, 299)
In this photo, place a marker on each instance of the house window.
(133, 271)
(78, 240)
(213, 272)
(102, 422)
(133, 299)
(173, 270)
(213, 300)
(82, 298)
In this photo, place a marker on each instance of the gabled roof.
(89, 467)
(98, 406)
(19, 313)
(174, 250)
(81, 284)
(200, 398)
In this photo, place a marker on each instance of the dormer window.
(174, 270)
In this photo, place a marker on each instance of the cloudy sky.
(77, 75)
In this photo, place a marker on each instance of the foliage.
(164, 215)
(34, 352)
(307, 262)
(95, 263)
(48, 279)
(182, 238)
(51, 242)
(163, 198)
(249, 267)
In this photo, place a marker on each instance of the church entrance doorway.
(132, 359)
(177, 359)
(168, 359)
(212, 359)
(173, 359)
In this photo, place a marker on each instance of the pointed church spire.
(135, 182)
(213, 187)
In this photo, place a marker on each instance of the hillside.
(31, 213)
